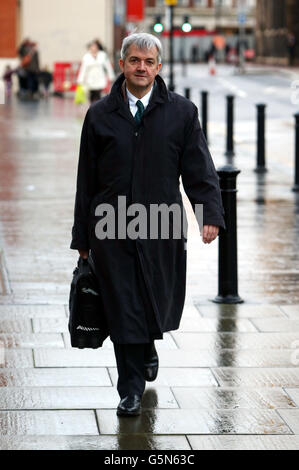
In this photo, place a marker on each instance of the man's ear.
(121, 64)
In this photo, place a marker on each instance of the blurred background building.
(207, 18)
(277, 32)
(62, 28)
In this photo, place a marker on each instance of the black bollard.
(296, 185)
(227, 258)
(187, 93)
(230, 126)
(204, 113)
(261, 167)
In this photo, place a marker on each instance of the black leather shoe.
(151, 363)
(129, 406)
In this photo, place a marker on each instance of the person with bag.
(96, 71)
(21, 71)
(136, 143)
(28, 71)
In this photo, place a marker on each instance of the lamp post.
(171, 4)
(186, 28)
(242, 10)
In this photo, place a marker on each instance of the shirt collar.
(133, 100)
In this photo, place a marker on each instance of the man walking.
(135, 144)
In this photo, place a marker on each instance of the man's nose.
(141, 65)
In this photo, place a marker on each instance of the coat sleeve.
(199, 177)
(86, 186)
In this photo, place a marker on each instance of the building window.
(201, 3)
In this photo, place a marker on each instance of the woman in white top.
(95, 71)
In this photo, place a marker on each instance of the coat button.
(136, 134)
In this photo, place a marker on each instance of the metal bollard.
(296, 185)
(227, 258)
(261, 167)
(204, 113)
(230, 126)
(187, 93)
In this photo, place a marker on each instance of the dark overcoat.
(142, 280)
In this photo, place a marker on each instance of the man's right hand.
(84, 254)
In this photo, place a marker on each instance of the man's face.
(140, 67)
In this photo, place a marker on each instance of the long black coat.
(142, 281)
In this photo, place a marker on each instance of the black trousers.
(130, 367)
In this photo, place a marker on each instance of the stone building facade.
(276, 19)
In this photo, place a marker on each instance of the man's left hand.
(209, 233)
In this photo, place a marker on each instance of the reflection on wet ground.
(228, 378)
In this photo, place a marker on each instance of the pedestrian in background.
(7, 78)
(32, 69)
(29, 69)
(135, 143)
(45, 79)
(95, 71)
(291, 44)
(21, 72)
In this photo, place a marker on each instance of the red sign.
(135, 10)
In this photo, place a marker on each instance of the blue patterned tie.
(138, 115)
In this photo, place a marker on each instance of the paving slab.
(174, 376)
(253, 377)
(38, 377)
(233, 398)
(195, 421)
(122, 442)
(15, 326)
(103, 357)
(190, 310)
(238, 341)
(167, 342)
(293, 394)
(17, 358)
(211, 324)
(219, 358)
(276, 324)
(81, 397)
(240, 311)
(33, 340)
(31, 311)
(50, 325)
(292, 311)
(291, 417)
(74, 357)
(240, 442)
(255, 358)
(58, 422)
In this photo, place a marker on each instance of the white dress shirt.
(133, 100)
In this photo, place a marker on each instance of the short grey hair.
(142, 41)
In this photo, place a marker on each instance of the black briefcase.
(87, 322)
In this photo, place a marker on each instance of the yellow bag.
(80, 96)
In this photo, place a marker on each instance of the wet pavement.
(229, 377)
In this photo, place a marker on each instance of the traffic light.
(186, 26)
(158, 26)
